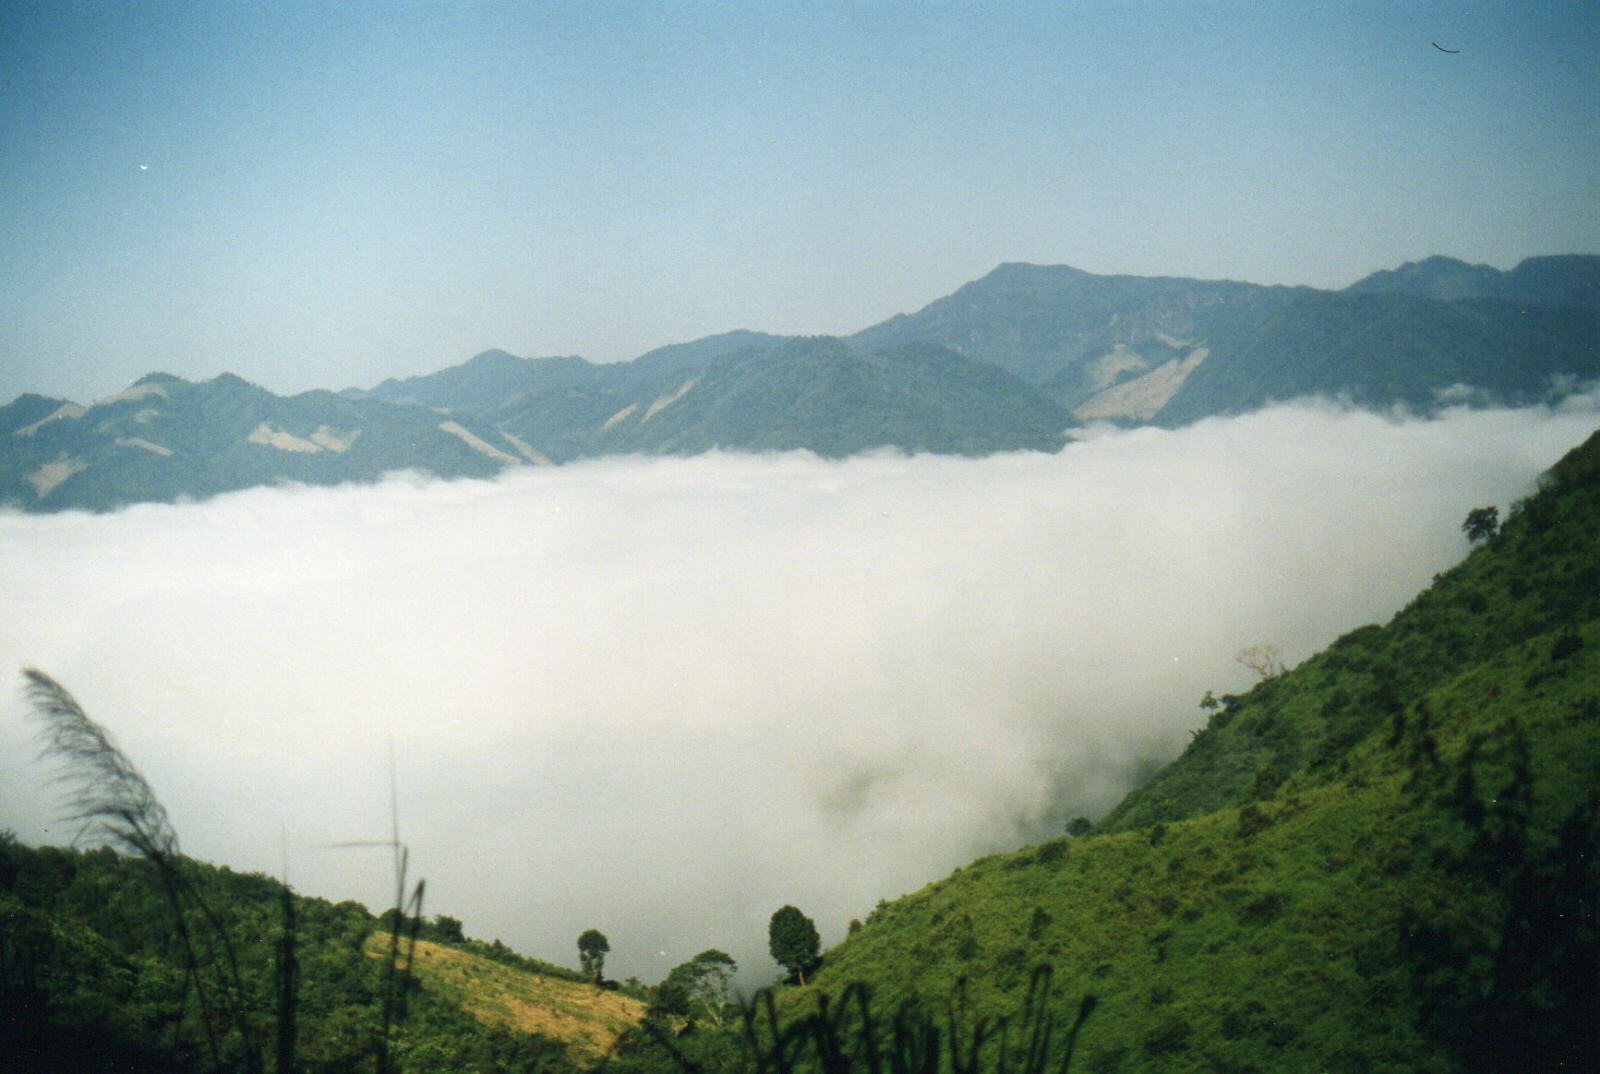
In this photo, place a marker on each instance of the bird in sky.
(1441, 48)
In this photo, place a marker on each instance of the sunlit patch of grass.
(587, 1019)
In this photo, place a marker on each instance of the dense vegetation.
(93, 977)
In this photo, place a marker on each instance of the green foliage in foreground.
(92, 977)
(853, 1036)
(1382, 860)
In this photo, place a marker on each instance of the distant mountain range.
(1012, 361)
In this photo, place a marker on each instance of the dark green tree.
(671, 996)
(792, 938)
(1481, 523)
(592, 948)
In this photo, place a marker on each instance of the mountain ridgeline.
(1011, 362)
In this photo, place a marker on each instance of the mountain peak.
(1447, 279)
(162, 379)
(493, 359)
(1027, 271)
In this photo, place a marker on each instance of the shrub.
(1568, 644)
(1172, 1035)
(1053, 851)
(1252, 819)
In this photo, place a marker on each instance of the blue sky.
(324, 195)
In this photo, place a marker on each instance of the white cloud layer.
(664, 697)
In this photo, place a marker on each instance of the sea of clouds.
(663, 697)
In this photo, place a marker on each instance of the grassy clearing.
(588, 1020)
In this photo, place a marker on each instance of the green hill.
(93, 977)
(1383, 859)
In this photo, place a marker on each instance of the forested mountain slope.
(1383, 859)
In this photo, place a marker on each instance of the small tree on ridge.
(1481, 523)
(592, 948)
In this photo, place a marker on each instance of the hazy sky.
(323, 195)
(664, 697)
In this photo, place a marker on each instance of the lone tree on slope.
(792, 938)
(592, 948)
(1480, 524)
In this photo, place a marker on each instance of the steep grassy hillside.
(1539, 576)
(1382, 860)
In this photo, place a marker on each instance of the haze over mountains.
(1012, 361)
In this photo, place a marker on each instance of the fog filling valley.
(663, 697)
